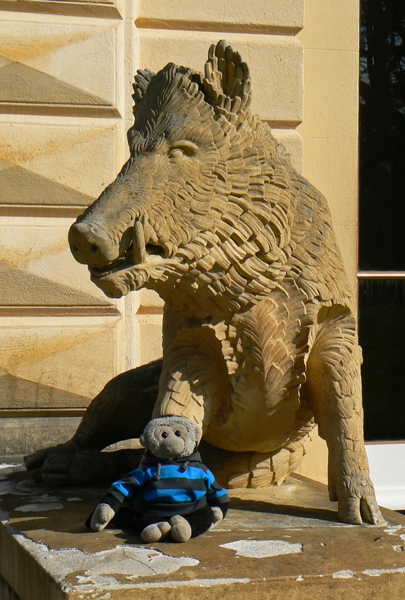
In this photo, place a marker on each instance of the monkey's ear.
(227, 83)
(142, 441)
(197, 433)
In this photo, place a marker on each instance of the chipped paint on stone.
(263, 548)
(6, 487)
(12, 487)
(192, 582)
(300, 578)
(392, 529)
(378, 572)
(99, 568)
(7, 469)
(74, 499)
(347, 574)
(40, 507)
(45, 498)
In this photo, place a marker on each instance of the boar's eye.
(176, 153)
(183, 148)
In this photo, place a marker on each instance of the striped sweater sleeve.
(124, 489)
(216, 494)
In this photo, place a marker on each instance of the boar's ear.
(227, 83)
(142, 80)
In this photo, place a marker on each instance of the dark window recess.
(382, 337)
(382, 135)
(382, 217)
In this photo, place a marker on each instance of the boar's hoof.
(78, 469)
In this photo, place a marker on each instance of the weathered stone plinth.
(276, 543)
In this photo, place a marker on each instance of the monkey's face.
(170, 437)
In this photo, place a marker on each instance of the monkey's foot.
(181, 530)
(217, 516)
(101, 517)
(156, 532)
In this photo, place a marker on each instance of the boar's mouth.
(144, 249)
(126, 261)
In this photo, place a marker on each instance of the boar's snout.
(90, 246)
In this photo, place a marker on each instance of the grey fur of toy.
(171, 437)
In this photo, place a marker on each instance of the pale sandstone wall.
(330, 136)
(65, 106)
(64, 87)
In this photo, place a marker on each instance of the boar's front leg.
(120, 411)
(333, 391)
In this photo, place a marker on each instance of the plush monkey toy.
(180, 497)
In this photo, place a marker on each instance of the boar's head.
(166, 221)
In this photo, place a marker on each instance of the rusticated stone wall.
(64, 87)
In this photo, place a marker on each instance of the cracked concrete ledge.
(274, 542)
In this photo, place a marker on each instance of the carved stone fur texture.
(259, 334)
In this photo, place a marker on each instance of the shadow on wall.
(34, 415)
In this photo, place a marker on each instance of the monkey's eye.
(164, 434)
(178, 433)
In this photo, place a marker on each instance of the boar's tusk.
(139, 247)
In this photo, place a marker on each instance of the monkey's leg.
(120, 411)
(333, 391)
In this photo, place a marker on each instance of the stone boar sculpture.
(259, 332)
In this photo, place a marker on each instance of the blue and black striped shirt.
(169, 488)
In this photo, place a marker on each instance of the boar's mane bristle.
(155, 89)
(225, 87)
(142, 80)
(157, 97)
(227, 83)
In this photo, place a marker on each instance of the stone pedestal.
(275, 543)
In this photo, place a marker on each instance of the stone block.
(331, 93)
(150, 302)
(22, 397)
(331, 25)
(275, 63)
(293, 143)
(330, 127)
(23, 435)
(56, 163)
(248, 16)
(274, 543)
(38, 270)
(334, 173)
(150, 337)
(75, 354)
(82, 8)
(331, 165)
(49, 63)
(314, 465)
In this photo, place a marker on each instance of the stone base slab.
(275, 543)
(24, 435)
